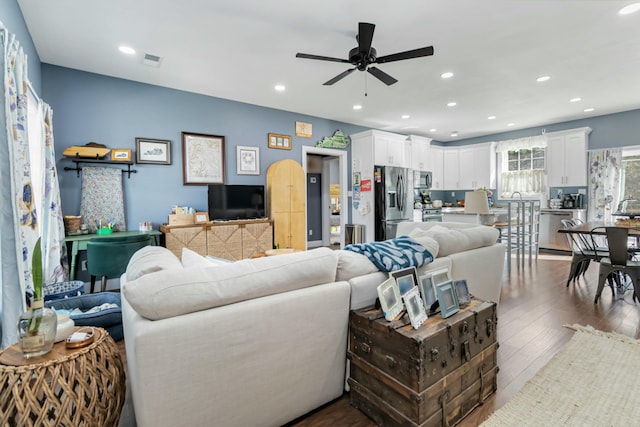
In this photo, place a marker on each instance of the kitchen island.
(458, 215)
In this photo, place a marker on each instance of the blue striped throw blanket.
(394, 254)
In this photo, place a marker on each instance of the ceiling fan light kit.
(362, 56)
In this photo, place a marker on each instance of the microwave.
(421, 179)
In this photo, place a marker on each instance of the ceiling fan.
(364, 55)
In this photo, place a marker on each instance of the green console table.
(79, 243)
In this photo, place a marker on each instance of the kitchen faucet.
(518, 193)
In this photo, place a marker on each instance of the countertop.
(460, 211)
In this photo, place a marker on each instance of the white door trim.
(342, 160)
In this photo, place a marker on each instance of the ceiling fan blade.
(415, 53)
(339, 77)
(382, 76)
(321, 58)
(365, 36)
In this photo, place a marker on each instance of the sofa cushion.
(149, 260)
(351, 264)
(452, 240)
(173, 292)
(193, 259)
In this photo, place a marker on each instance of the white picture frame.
(415, 307)
(390, 299)
(247, 160)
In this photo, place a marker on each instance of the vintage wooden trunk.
(431, 376)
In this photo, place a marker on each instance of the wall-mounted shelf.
(78, 161)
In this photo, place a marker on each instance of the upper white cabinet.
(475, 166)
(451, 166)
(420, 153)
(389, 149)
(567, 158)
(436, 166)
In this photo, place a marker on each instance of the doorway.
(333, 206)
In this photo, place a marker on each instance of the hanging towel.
(102, 198)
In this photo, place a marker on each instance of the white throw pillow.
(149, 260)
(429, 243)
(351, 264)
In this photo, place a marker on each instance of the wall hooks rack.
(78, 161)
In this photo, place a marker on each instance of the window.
(525, 159)
(630, 182)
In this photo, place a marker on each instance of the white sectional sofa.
(260, 342)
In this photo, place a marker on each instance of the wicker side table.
(80, 387)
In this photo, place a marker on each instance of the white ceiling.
(240, 49)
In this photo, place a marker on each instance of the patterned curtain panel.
(102, 201)
(54, 252)
(526, 181)
(605, 167)
(19, 222)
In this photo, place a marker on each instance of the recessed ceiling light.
(578, 99)
(454, 133)
(491, 118)
(543, 78)
(452, 104)
(511, 124)
(433, 130)
(280, 88)
(446, 75)
(588, 110)
(126, 49)
(357, 107)
(405, 116)
(629, 9)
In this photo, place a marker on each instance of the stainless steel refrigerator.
(393, 199)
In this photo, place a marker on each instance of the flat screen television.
(227, 202)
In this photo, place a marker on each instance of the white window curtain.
(528, 182)
(23, 217)
(605, 168)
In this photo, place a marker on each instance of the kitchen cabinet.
(566, 158)
(451, 166)
(475, 166)
(390, 150)
(436, 165)
(420, 152)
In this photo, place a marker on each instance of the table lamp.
(476, 202)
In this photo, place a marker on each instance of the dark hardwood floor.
(534, 307)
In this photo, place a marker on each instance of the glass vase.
(37, 330)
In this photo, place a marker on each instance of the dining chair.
(109, 256)
(619, 264)
(582, 251)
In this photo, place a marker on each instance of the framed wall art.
(282, 142)
(121, 155)
(248, 160)
(202, 159)
(153, 151)
(304, 130)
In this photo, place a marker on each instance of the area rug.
(594, 380)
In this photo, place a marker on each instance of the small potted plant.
(37, 326)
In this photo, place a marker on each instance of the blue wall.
(611, 130)
(89, 107)
(11, 17)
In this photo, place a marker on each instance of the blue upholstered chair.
(109, 256)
